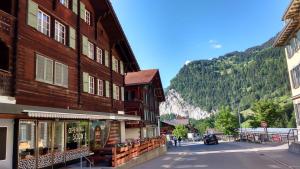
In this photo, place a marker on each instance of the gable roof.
(140, 77)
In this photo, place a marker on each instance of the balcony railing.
(5, 84)
(7, 22)
(133, 107)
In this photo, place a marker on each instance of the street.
(226, 156)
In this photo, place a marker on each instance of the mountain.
(257, 73)
(175, 104)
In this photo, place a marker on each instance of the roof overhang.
(292, 10)
(288, 31)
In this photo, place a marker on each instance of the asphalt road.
(225, 156)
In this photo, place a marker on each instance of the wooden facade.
(143, 95)
(50, 50)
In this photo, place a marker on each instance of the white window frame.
(60, 35)
(91, 85)
(91, 50)
(63, 66)
(41, 27)
(99, 55)
(45, 69)
(65, 3)
(100, 87)
(87, 17)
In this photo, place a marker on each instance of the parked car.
(210, 139)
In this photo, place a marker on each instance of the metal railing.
(292, 137)
(88, 160)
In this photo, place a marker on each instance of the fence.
(121, 155)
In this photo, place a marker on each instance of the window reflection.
(44, 139)
(26, 139)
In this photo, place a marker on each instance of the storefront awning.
(56, 113)
(87, 116)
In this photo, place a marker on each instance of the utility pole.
(239, 114)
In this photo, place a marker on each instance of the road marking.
(273, 166)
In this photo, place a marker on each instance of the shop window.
(99, 134)
(44, 138)
(3, 136)
(4, 56)
(59, 137)
(77, 135)
(27, 140)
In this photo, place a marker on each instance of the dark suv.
(210, 139)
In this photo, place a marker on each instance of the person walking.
(179, 140)
(175, 141)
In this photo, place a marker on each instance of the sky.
(167, 34)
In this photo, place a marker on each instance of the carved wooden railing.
(5, 84)
(7, 23)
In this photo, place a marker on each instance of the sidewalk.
(276, 152)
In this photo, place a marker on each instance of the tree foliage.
(257, 73)
(180, 131)
(226, 121)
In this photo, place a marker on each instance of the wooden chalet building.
(62, 67)
(143, 94)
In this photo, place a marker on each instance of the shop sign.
(77, 133)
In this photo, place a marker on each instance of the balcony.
(5, 83)
(7, 23)
(134, 108)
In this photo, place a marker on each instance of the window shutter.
(58, 74)
(85, 82)
(72, 38)
(75, 6)
(113, 63)
(114, 91)
(65, 76)
(107, 87)
(49, 71)
(40, 68)
(106, 58)
(85, 45)
(122, 94)
(32, 13)
(121, 68)
(82, 10)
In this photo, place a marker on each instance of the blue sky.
(165, 34)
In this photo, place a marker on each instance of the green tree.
(268, 111)
(180, 131)
(226, 121)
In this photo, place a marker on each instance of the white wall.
(133, 133)
(123, 133)
(7, 163)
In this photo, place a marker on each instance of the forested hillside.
(257, 73)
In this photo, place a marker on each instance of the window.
(44, 138)
(117, 92)
(91, 54)
(91, 85)
(115, 65)
(3, 136)
(27, 142)
(295, 75)
(60, 32)
(100, 87)
(44, 69)
(65, 3)
(297, 110)
(87, 17)
(43, 24)
(61, 74)
(99, 55)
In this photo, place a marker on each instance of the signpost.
(264, 125)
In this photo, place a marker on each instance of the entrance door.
(6, 143)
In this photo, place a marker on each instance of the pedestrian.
(175, 140)
(179, 140)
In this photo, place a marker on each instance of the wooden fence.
(121, 155)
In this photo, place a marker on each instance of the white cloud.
(215, 44)
(187, 62)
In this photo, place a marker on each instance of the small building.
(143, 94)
(289, 38)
